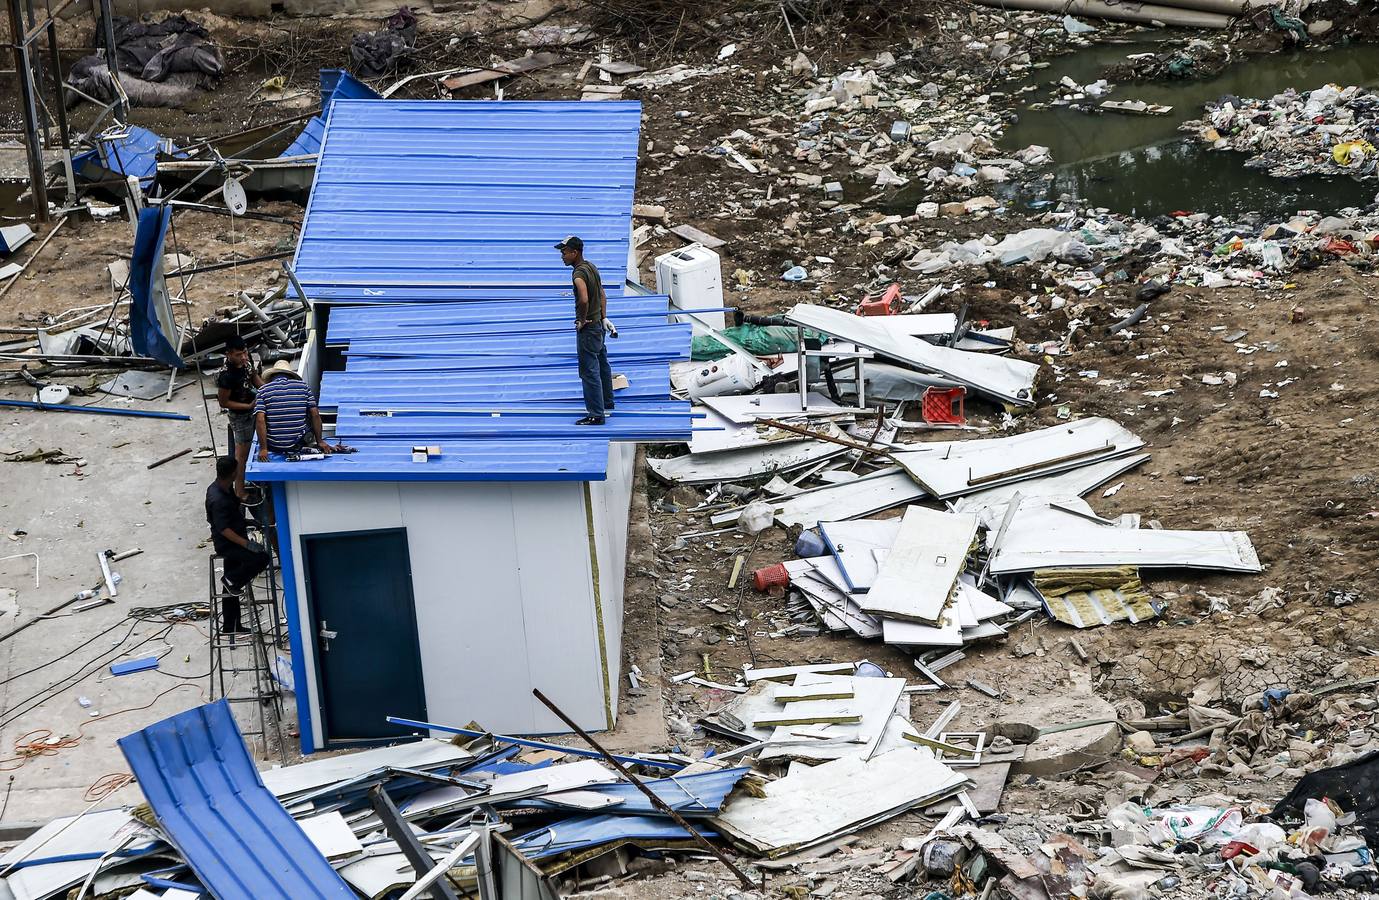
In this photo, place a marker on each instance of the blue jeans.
(593, 369)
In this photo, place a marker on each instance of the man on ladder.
(244, 559)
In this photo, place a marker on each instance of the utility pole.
(23, 71)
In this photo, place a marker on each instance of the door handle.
(326, 635)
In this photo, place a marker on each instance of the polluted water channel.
(1146, 166)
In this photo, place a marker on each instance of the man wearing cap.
(235, 386)
(285, 413)
(591, 305)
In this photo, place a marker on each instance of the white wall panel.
(502, 581)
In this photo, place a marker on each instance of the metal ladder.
(242, 666)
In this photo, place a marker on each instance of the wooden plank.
(619, 68)
(920, 571)
(693, 235)
(787, 673)
(519, 66)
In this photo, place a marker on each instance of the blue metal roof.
(460, 460)
(206, 793)
(441, 217)
(415, 195)
(542, 384)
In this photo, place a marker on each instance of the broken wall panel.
(922, 567)
(949, 469)
(1043, 537)
(1007, 380)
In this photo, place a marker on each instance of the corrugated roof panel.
(418, 194)
(646, 342)
(488, 318)
(646, 421)
(208, 798)
(460, 460)
(649, 380)
(309, 141)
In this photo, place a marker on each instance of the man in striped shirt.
(285, 413)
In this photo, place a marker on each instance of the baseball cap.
(571, 242)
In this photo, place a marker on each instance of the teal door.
(363, 624)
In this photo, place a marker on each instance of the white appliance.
(693, 279)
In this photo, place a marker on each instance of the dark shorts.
(241, 426)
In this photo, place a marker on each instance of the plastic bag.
(1318, 824)
(1205, 825)
(755, 517)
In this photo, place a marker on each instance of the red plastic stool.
(873, 305)
(771, 576)
(943, 406)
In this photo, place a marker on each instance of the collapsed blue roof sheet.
(130, 151)
(467, 196)
(692, 796)
(198, 777)
(336, 84)
(581, 832)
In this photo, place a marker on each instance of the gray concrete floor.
(71, 513)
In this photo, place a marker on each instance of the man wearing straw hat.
(285, 413)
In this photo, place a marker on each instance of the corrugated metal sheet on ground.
(336, 84)
(691, 796)
(207, 796)
(413, 195)
(132, 151)
(582, 832)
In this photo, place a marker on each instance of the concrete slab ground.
(53, 750)
(69, 514)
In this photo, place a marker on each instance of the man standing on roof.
(235, 386)
(285, 413)
(591, 305)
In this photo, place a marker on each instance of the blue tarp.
(199, 779)
(151, 328)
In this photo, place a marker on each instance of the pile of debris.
(1326, 131)
(160, 63)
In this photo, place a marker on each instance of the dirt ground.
(1296, 471)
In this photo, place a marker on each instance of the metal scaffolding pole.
(29, 110)
(112, 61)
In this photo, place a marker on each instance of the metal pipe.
(121, 106)
(538, 745)
(29, 111)
(651, 795)
(48, 23)
(1143, 13)
(97, 410)
(64, 132)
(265, 318)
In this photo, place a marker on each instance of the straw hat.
(281, 367)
